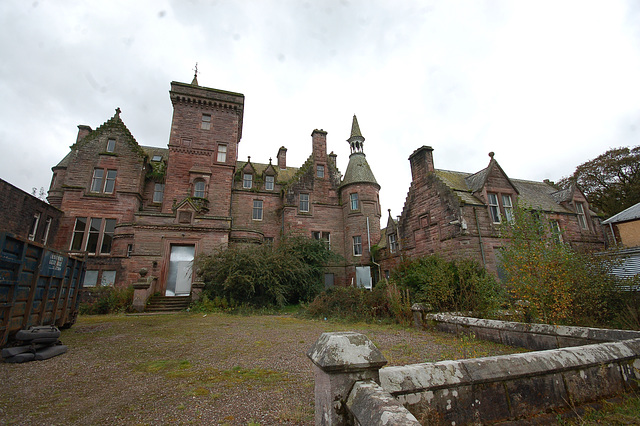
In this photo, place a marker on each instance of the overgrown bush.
(358, 304)
(105, 300)
(266, 275)
(560, 284)
(459, 285)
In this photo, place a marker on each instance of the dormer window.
(247, 180)
(494, 208)
(156, 158)
(269, 182)
(206, 122)
(393, 244)
(582, 218)
(507, 205)
(111, 145)
(199, 188)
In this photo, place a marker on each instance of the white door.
(180, 265)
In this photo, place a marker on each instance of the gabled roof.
(477, 181)
(114, 123)
(537, 195)
(632, 213)
(358, 170)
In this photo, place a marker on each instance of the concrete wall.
(352, 389)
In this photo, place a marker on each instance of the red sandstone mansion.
(129, 207)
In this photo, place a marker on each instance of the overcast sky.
(546, 85)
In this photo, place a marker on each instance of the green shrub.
(560, 284)
(460, 285)
(106, 300)
(266, 275)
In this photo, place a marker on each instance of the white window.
(199, 188)
(322, 236)
(206, 122)
(247, 180)
(90, 279)
(304, 202)
(107, 236)
(257, 210)
(108, 278)
(268, 182)
(47, 228)
(354, 201)
(556, 233)
(96, 181)
(110, 181)
(222, 153)
(357, 245)
(158, 192)
(494, 208)
(582, 218)
(111, 145)
(320, 171)
(393, 245)
(508, 208)
(34, 226)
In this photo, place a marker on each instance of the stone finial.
(491, 154)
(143, 272)
(118, 111)
(345, 351)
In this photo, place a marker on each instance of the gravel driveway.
(196, 369)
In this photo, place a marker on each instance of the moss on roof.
(358, 170)
(537, 195)
(282, 175)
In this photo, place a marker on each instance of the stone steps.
(168, 303)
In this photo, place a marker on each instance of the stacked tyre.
(35, 343)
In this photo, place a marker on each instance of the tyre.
(40, 332)
(19, 358)
(50, 352)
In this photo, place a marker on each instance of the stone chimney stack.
(421, 162)
(83, 130)
(282, 158)
(319, 141)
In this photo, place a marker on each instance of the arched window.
(199, 188)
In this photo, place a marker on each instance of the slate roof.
(152, 151)
(537, 195)
(632, 213)
(358, 170)
(282, 175)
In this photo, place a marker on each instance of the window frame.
(393, 243)
(111, 145)
(221, 155)
(269, 182)
(247, 180)
(47, 229)
(96, 181)
(303, 202)
(78, 233)
(199, 192)
(320, 171)
(582, 217)
(158, 199)
(205, 123)
(84, 235)
(508, 209)
(112, 224)
(110, 181)
(357, 245)
(33, 230)
(257, 211)
(494, 207)
(354, 201)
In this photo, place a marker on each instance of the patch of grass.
(617, 412)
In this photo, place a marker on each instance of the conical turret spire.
(356, 140)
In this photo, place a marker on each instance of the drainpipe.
(484, 262)
(613, 235)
